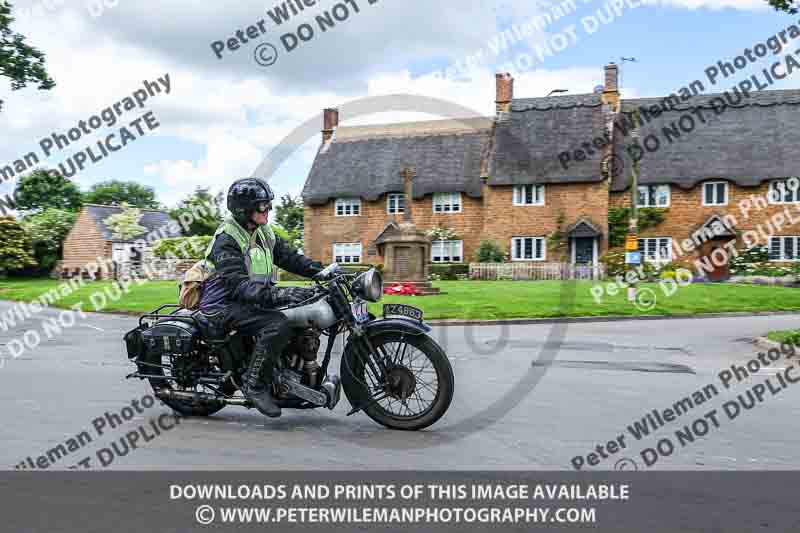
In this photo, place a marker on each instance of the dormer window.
(348, 207)
(653, 196)
(785, 191)
(529, 195)
(396, 203)
(715, 193)
(447, 202)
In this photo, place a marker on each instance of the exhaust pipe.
(200, 398)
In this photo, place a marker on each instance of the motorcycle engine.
(301, 356)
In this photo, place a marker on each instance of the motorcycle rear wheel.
(184, 407)
(419, 368)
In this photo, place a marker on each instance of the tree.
(289, 216)
(46, 232)
(125, 226)
(14, 247)
(116, 192)
(199, 214)
(784, 5)
(19, 62)
(45, 189)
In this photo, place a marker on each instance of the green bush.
(489, 252)
(14, 247)
(182, 247)
(448, 272)
(755, 262)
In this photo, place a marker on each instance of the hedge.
(182, 247)
(449, 272)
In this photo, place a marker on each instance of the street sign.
(631, 243)
(633, 258)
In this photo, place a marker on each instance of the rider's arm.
(290, 260)
(229, 262)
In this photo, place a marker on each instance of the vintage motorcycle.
(390, 367)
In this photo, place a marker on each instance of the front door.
(584, 250)
(720, 272)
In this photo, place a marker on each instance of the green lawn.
(477, 300)
(788, 335)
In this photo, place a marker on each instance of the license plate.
(402, 310)
(360, 311)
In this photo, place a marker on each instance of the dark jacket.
(231, 282)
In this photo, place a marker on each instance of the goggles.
(262, 207)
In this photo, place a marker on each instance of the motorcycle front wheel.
(415, 391)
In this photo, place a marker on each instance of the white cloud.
(235, 110)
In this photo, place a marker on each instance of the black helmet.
(244, 194)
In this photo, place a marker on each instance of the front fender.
(406, 325)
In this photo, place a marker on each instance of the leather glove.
(283, 296)
(316, 268)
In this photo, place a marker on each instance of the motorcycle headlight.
(369, 285)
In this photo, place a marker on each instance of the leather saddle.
(211, 326)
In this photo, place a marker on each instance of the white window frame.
(460, 251)
(393, 203)
(715, 184)
(537, 195)
(344, 252)
(449, 200)
(781, 187)
(669, 195)
(643, 248)
(782, 248)
(348, 204)
(534, 240)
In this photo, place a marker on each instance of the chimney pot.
(505, 88)
(612, 77)
(330, 121)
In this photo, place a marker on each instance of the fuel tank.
(318, 315)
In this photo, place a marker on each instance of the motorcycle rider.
(242, 257)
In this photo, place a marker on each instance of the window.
(715, 193)
(447, 202)
(784, 191)
(447, 251)
(656, 249)
(784, 249)
(396, 204)
(529, 195)
(348, 207)
(527, 249)
(347, 253)
(653, 196)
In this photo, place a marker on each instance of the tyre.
(417, 390)
(184, 407)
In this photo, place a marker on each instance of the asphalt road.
(512, 409)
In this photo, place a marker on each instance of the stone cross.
(408, 173)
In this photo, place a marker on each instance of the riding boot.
(257, 381)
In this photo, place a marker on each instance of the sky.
(223, 116)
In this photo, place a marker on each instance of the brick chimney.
(611, 86)
(330, 120)
(408, 173)
(505, 91)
